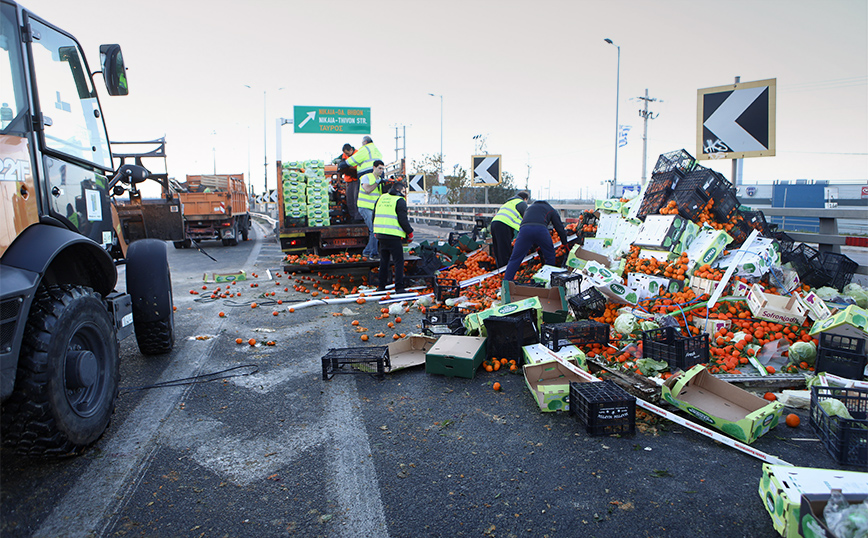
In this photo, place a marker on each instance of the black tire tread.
(155, 337)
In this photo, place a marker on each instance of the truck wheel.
(149, 283)
(245, 229)
(186, 243)
(68, 374)
(233, 241)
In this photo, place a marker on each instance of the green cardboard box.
(852, 321)
(648, 285)
(475, 323)
(812, 523)
(782, 486)
(552, 301)
(661, 232)
(549, 385)
(579, 256)
(721, 405)
(538, 353)
(455, 356)
(691, 230)
(608, 205)
(544, 275)
(756, 260)
(708, 245)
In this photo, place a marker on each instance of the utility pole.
(403, 142)
(646, 115)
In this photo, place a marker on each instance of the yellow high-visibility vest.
(508, 214)
(386, 216)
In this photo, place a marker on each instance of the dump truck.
(61, 318)
(214, 207)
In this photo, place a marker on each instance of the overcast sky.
(535, 78)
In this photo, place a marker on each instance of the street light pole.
(264, 136)
(441, 134)
(617, 127)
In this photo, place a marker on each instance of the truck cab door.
(71, 132)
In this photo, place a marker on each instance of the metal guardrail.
(463, 216)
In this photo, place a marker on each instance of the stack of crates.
(294, 194)
(317, 193)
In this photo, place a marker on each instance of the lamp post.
(441, 134)
(611, 192)
(264, 136)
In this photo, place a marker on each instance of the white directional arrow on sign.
(415, 183)
(724, 121)
(310, 115)
(482, 173)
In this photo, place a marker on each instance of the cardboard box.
(812, 524)
(599, 245)
(785, 310)
(660, 231)
(608, 205)
(578, 257)
(852, 321)
(544, 275)
(607, 225)
(814, 305)
(600, 273)
(625, 234)
(225, 277)
(409, 351)
(455, 356)
(649, 286)
(688, 235)
(708, 245)
(614, 291)
(538, 353)
(475, 323)
(552, 301)
(756, 260)
(724, 406)
(781, 488)
(703, 285)
(549, 384)
(712, 325)
(659, 255)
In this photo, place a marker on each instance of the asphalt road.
(252, 442)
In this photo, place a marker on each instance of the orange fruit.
(793, 420)
(398, 319)
(254, 305)
(770, 369)
(239, 341)
(252, 341)
(364, 338)
(222, 314)
(274, 313)
(355, 322)
(488, 368)
(292, 310)
(496, 365)
(174, 308)
(770, 397)
(496, 386)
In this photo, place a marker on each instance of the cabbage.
(650, 367)
(803, 351)
(625, 324)
(858, 293)
(826, 293)
(835, 408)
(648, 325)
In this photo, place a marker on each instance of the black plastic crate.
(739, 232)
(664, 181)
(841, 355)
(589, 303)
(603, 408)
(571, 282)
(508, 334)
(454, 238)
(446, 288)
(438, 322)
(589, 217)
(690, 203)
(652, 202)
(845, 439)
(706, 180)
(806, 261)
(787, 243)
(674, 160)
(757, 221)
(839, 267)
(725, 205)
(372, 360)
(557, 335)
(679, 351)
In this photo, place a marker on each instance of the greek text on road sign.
(325, 119)
(486, 170)
(736, 121)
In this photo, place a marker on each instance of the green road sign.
(329, 119)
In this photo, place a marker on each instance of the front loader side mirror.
(113, 70)
(129, 174)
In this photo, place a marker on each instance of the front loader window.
(71, 114)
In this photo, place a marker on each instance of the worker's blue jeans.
(530, 236)
(371, 249)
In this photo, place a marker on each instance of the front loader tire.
(149, 283)
(68, 374)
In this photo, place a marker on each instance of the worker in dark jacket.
(505, 225)
(534, 232)
(391, 226)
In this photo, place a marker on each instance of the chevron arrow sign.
(736, 121)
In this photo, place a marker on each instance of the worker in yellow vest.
(391, 226)
(505, 225)
(366, 160)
